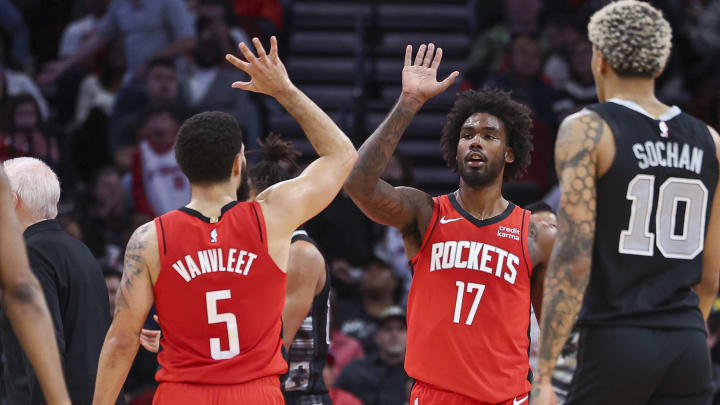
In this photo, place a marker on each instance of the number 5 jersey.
(219, 297)
(469, 304)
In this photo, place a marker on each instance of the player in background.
(24, 302)
(216, 268)
(476, 256)
(306, 333)
(307, 299)
(639, 229)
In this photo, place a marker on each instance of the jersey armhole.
(160, 230)
(431, 227)
(261, 223)
(524, 238)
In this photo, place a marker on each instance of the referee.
(72, 283)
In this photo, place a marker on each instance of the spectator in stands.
(337, 396)
(559, 36)
(80, 30)
(343, 348)
(381, 379)
(22, 132)
(158, 185)
(578, 90)
(106, 223)
(150, 29)
(14, 83)
(100, 89)
(487, 52)
(209, 82)
(112, 281)
(161, 86)
(524, 79)
(361, 313)
(11, 20)
(260, 18)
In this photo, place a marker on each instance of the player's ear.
(238, 165)
(509, 155)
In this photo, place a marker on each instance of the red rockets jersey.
(219, 297)
(469, 304)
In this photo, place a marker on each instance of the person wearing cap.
(380, 379)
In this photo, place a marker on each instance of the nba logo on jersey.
(664, 130)
(213, 236)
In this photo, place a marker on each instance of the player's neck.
(482, 202)
(638, 90)
(209, 200)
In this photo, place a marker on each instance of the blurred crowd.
(98, 89)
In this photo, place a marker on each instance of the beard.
(480, 177)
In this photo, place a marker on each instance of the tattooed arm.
(405, 208)
(569, 270)
(134, 299)
(541, 237)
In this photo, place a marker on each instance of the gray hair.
(35, 185)
(633, 36)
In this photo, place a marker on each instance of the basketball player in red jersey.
(476, 257)
(215, 269)
(24, 302)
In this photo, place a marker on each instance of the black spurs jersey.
(653, 211)
(304, 384)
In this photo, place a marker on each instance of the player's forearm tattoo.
(569, 270)
(132, 267)
(373, 157)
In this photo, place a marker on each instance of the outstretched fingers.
(274, 49)
(242, 65)
(420, 55)
(449, 80)
(247, 53)
(436, 60)
(259, 48)
(242, 85)
(408, 55)
(429, 55)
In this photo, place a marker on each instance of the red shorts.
(263, 391)
(426, 394)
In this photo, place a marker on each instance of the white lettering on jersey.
(668, 154)
(211, 261)
(474, 256)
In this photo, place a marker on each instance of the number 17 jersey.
(219, 297)
(469, 304)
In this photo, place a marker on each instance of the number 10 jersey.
(653, 210)
(469, 304)
(219, 297)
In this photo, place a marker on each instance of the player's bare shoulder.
(142, 252)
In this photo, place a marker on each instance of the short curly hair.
(206, 147)
(633, 36)
(515, 117)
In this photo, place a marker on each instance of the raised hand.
(419, 79)
(267, 72)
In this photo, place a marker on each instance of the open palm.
(419, 79)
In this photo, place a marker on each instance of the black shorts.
(635, 366)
